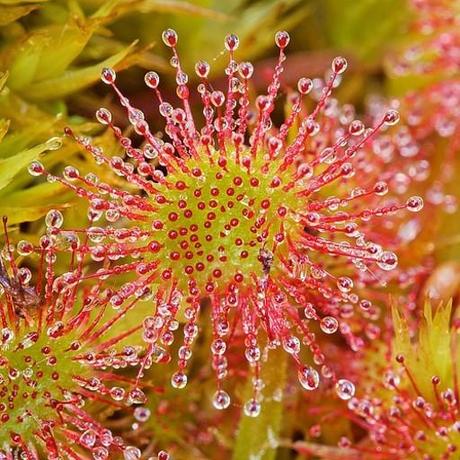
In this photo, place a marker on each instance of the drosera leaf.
(257, 438)
(73, 80)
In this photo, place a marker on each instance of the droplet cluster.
(58, 358)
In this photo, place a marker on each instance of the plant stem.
(257, 437)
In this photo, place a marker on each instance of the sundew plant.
(249, 257)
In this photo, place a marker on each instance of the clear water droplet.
(329, 325)
(54, 218)
(108, 75)
(345, 389)
(36, 168)
(88, 438)
(414, 204)
(131, 453)
(339, 65)
(221, 400)
(142, 414)
(54, 143)
(387, 261)
(179, 380)
(169, 37)
(308, 378)
(252, 408)
(282, 39)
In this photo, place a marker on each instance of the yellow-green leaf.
(73, 80)
(10, 14)
(4, 125)
(17, 215)
(172, 6)
(40, 195)
(3, 78)
(11, 166)
(16, 2)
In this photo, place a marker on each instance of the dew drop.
(202, 69)
(391, 380)
(339, 65)
(166, 109)
(329, 325)
(221, 400)
(304, 85)
(246, 69)
(36, 168)
(108, 75)
(142, 414)
(88, 438)
(310, 311)
(218, 347)
(117, 393)
(54, 143)
(24, 248)
(381, 188)
(345, 284)
(414, 204)
(54, 218)
(387, 261)
(291, 344)
(179, 380)
(169, 37)
(181, 78)
(232, 42)
(252, 354)
(136, 396)
(356, 128)
(308, 378)
(282, 39)
(131, 453)
(24, 275)
(345, 389)
(152, 79)
(103, 116)
(100, 453)
(70, 173)
(391, 117)
(252, 408)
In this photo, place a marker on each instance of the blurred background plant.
(51, 56)
(52, 53)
